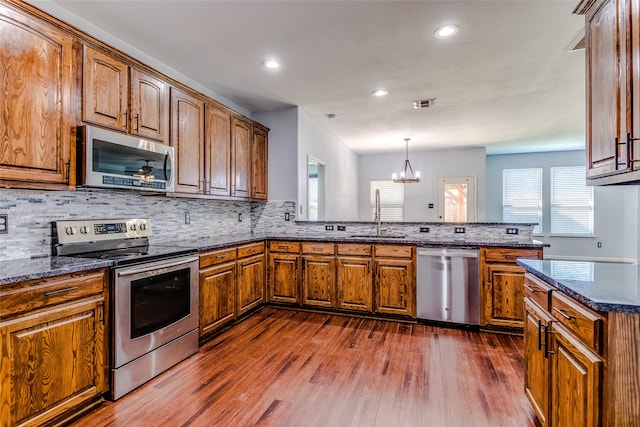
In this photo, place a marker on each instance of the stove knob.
(70, 230)
(133, 227)
(143, 226)
(84, 229)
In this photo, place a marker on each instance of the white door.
(457, 199)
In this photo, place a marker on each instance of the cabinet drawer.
(290, 247)
(537, 291)
(586, 324)
(252, 249)
(394, 251)
(318, 248)
(35, 294)
(508, 254)
(217, 257)
(354, 249)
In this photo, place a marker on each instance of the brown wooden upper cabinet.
(613, 90)
(36, 83)
(259, 161)
(217, 151)
(241, 158)
(107, 90)
(187, 113)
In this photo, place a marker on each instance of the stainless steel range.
(153, 293)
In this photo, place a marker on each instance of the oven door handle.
(159, 266)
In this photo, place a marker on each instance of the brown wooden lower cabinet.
(355, 283)
(536, 364)
(217, 296)
(318, 280)
(395, 280)
(53, 360)
(250, 285)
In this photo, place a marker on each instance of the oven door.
(154, 303)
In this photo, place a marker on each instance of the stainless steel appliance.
(153, 292)
(113, 160)
(448, 286)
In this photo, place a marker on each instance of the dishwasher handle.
(452, 253)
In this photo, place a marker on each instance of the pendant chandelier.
(407, 176)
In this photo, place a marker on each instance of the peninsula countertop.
(602, 286)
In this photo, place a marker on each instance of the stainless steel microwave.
(114, 160)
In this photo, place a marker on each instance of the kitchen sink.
(373, 236)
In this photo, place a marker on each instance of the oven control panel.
(82, 231)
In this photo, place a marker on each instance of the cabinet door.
(318, 280)
(217, 296)
(187, 113)
(575, 382)
(52, 361)
(536, 361)
(504, 290)
(104, 90)
(259, 162)
(633, 74)
(241, 157)
(250, 284)
(394, 284)
(355, 284)
(218, 148)
(149, 107)
(283, 278)
(36, 87)
(605, 100)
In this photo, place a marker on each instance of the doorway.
(315, 189)
(457, 199)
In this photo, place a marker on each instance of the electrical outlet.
(424, 229)
(4, 224)
(328, 227)
(187, 218)
(287, 217)
(459, 230)
(599, 244)
(430, 205)
(512, 230)
(240, 217)
(342, 228)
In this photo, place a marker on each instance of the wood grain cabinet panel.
(241, 171)
(318, 280)
(217, 296)
(537, 364)
(187, 113)
(259, 164)
(218, 149)
(395, 287)
(105, 90)
(149, 107)
(284, 278)
(37, 95)
(250, 288)
(354, 283)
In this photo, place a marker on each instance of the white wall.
(341, 169)
(432, 165)
(615, 209)
(283, 152)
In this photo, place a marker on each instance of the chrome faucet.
(377, 217)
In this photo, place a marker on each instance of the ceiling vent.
(424, 103)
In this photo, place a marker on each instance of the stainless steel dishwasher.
(448, 286)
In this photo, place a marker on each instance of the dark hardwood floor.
(292, 368)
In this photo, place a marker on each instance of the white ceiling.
(506, 81)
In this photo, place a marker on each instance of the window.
(571, 202)
(391, 200)
(522, 196)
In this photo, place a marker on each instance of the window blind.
(391, 200)
(571, 202)
(522, 196)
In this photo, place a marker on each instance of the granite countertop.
(19, 270)
(12, 271)
(602, 286)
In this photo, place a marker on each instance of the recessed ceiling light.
(446, 31)
(380, 92)
(271, 63)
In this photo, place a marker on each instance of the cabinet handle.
(547, 332)
(60, 291)
(137, 122)
(564, 314)
(532, 290)
(126, 119)
(540, 326)
(68, 170)
(629, 149)
(207, 187)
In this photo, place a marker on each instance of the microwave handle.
(166, 161)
